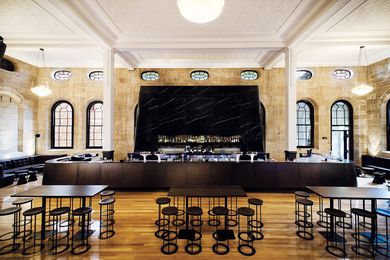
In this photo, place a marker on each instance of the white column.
(108, 99)
(291, 99)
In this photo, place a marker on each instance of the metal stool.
(56, 214)
(246, 236)
(212, 219)
(13, 234)
(300, 195)
(256, 223)
(84, 215)
(347, 224)
(19, 203)
(58, 204)
(179, 203)
(332, 243)
(323, 217)
(364, 223)
(108, 223)
(304, 221)
(221, 235)
(161, 222)
(169, 237)
(194, 244)
(383, 239)
(232, 219)
(107, 193)
(32, 213)
(368, 249)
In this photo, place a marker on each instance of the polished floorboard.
(136, 212)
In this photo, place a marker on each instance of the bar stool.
(383, 239)
(358, 248)
(302, 220)
(221, 235)
(161, 222)
(19, 203)
(256, 223)
(194, 244)
(107, 193)
(108, 222)
(300, 195)
(14, 246)
(364, 223)
(347, 224)
(179, 203)
(212, 219)
(246, 238)
(169, 237)
(82, 213)
(58, 204)
(56, 214)
(323, 220)
(332, 243)
(32, 213)
(232, 219)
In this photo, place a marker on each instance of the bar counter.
(154, 175)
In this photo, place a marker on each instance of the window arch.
(388, 124)
(62, 125)
(305, 124)
(95, 125)
(342, 130)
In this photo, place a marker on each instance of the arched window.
(262, 114)
(62, 125)
(95, 125)
(388, 124)
(305, 124)
(342, 130)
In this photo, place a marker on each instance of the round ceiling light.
(41, 90)
(200, 11)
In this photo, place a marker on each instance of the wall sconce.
(324, 138)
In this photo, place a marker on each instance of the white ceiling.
(145, 34)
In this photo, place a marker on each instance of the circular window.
(342, 74)
(96, 75)
(249, 75)
(199, 75)
(6, 65)
(150, 75)
(62, 75)
(304, 74)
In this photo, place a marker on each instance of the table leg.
(332, 234)
(374, 222)
(226, 206)
(43, 223)
(187, 218)
(83, 202)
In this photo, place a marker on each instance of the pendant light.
(43, 89)
(362, 88)
(200, 11)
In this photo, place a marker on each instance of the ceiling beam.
(328, 12)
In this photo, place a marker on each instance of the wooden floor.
(136, 212)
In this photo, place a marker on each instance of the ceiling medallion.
(200, 11)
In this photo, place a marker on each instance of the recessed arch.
(342, 129)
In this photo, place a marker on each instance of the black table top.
(207, 191)
(350, 192)
(56, 191)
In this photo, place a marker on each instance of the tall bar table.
(208, 191)
(61, 191)
(355, 193)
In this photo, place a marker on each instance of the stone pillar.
(108, 99)
(291, 99)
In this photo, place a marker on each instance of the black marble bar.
(154, 175)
